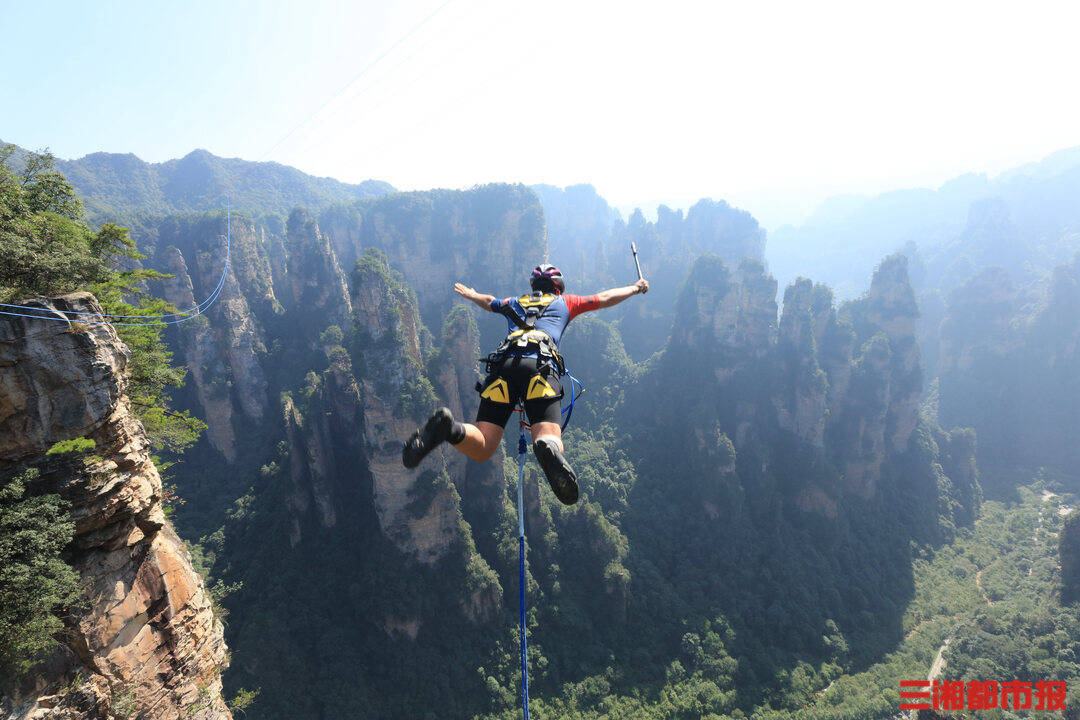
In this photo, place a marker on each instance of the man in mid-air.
(526, 367)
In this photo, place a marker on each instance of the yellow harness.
(524, 338)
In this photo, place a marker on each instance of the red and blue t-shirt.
(558, 315)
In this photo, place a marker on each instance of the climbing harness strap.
(534, 305)
(524, 340)
(527, 336)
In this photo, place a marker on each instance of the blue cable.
(151, 320)
(576, 388)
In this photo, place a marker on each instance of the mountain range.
(763, 467)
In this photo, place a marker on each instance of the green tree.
(46, 248)
(35, 583)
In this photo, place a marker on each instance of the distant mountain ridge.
(120, 185)
(844, 239)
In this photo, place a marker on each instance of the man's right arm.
(471, 295)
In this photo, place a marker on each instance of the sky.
(773, 106)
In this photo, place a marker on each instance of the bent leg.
(481, 440)
(548, 449)
(548, 430)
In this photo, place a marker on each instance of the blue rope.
(521, 570)
(576, 388)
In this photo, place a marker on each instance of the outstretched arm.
(615, 296)
(468, 293)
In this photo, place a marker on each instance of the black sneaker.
(427, 438)
(560, 475)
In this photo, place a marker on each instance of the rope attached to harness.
(521, 567)
(576, 388)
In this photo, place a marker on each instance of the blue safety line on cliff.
(154, 320)
(576, 388)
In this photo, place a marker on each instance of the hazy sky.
(772, 106)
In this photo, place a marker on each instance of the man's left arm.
(586, 303)
(614, 296)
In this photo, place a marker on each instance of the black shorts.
(517, 378)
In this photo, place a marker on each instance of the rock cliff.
(802, 401)
(145, 642)
(396, 397)
(580, 225)
(1010, 356)
(880, 408)
(802, 378)
(489, 237)
(221, 349)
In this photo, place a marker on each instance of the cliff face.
(668, 250)
(880, 408)
(803, 379)
(394, 401)
(801, 404)
(316, 293)
(1009, 362)
(732, 314)
(221, 349)
(580, 224)
(145, 642)
(205, 359)
(490, 237)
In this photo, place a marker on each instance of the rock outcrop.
(801, 404)
(316, 290)
(146, 642)
(490, 236)
(396, 396)
(206, 363)
(580, 224)
(731, 314)
(1010, 357)
(880, 407)
(222, 348)
(731, 364)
